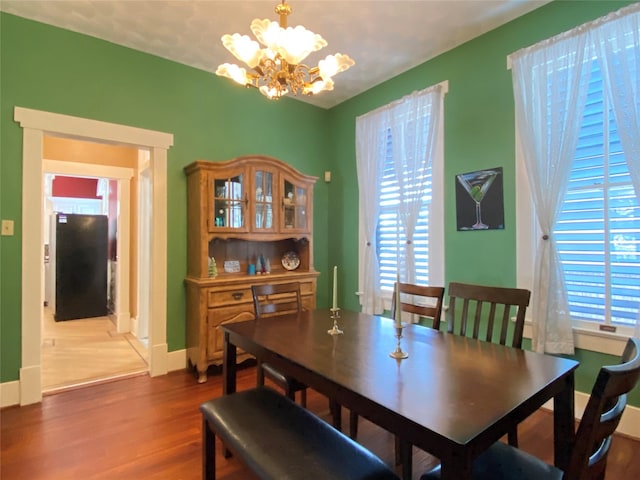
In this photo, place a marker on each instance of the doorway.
(97, 346)
(35, 124)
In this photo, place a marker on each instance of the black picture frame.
(487, 187)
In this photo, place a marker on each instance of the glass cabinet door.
(229, 203)
(295, 207)
(263, 216)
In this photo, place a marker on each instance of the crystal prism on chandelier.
(277, 68)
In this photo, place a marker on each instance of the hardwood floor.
(78, 352)
(149, 428)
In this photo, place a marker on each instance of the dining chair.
(504, 318)
(422, 300)
(502, 324)
(466, 316)
(593, 439)
(271, 300)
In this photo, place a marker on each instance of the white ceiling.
(384, 38)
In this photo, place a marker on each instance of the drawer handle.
(237, 295)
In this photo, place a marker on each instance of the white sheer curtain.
(550, 85)
(617, 42)
(414, 127)
(371, 146)
(413, 123)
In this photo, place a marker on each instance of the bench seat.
(278, 439)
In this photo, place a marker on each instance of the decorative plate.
(290, 261)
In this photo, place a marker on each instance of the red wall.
(74, 187)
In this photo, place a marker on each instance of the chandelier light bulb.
(277, 68)
(234, 72)
(243, 48)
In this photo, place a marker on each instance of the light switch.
(7, 227)
(327, 176)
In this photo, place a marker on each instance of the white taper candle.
(335, 287)
(397, 314)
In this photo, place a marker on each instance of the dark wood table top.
(452, 397)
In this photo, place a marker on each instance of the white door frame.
(36, 124)
(141, 322)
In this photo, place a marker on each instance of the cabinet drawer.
(219, 316)
(236, 296)
(307, 288)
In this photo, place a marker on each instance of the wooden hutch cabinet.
(252, 210)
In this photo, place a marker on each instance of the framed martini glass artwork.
(479, 200)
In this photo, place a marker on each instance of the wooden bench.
(280, 440)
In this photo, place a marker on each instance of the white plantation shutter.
(598, 232)
(390, 233)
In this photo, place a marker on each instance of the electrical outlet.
(7, 227)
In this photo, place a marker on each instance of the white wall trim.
(629, 423)
(87, 170)
(593, 340)
(10, 391)
(177, 360)
(84, 128)
(35, 125)
(9, 394)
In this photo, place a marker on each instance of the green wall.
(479, 133)
(51, 69)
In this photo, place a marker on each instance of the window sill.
(593, 340)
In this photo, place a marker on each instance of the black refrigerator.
(81, 266)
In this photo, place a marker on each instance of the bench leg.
(208, 452)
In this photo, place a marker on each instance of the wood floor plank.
(77, 352)
(150, 428)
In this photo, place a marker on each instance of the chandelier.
(276, 69)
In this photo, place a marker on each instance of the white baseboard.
(177, 360)
(10, 391)
(9, 394)
(629, 423)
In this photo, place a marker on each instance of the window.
(598, 232)
(399, 158)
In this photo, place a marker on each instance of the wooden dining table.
(452, 397)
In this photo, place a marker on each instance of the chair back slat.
(602, 415)
(501, 302)
(426, 301)
(277, 299)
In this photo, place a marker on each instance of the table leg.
(564, 423)
(228, 366)
(405, 451)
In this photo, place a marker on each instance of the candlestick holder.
(335, 315)
(398, 353)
